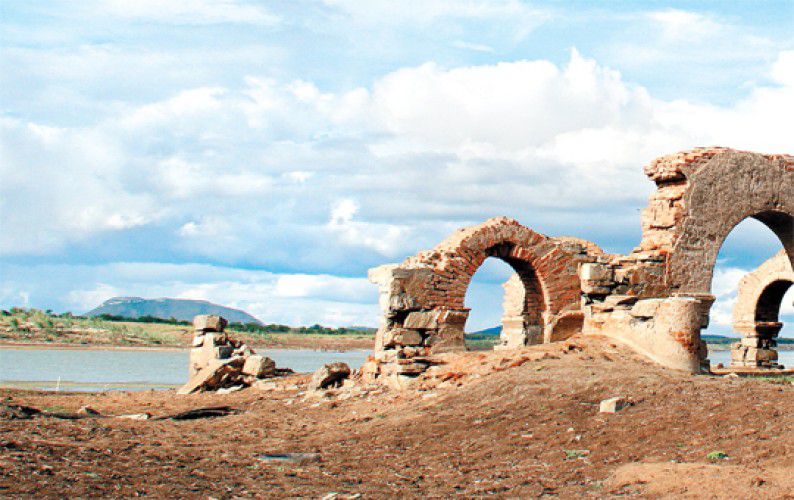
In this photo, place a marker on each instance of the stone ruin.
(655, 299)
(423, 298)
(219, 362)
(756, 313)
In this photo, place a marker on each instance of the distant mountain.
(494, 330)
(181, 309)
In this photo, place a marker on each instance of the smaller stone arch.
(757, 312)
(423, 298)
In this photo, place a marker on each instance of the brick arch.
(761, 291)
(423, 299)
(701, 196)
(546, 266)
(757, 309)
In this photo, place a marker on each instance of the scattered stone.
(208, 412)
(289, 457)
(211, 376)
(135, 416)
(209, 323)
(259, 366)
(613, 405)
(330, 375)
(264, 385)
(87, 411)
(219, 363)
(229, 390)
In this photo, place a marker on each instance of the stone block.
(198, 341)
(223, 351)
(210, 376)
(752, 342)
(422, 320)
(330, 375)
(646, 308)
(411, 369)
(758, 355)
(594, 288)
(592, 271)
(408, 338)
(399, 337)
(259, 366)
(209, 323)
(613, 405)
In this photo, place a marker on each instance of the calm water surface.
(786, 358)
(107, 369)
(101, 369)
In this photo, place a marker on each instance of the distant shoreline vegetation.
(44, 319)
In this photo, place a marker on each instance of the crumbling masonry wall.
(422, 299)
(657, 298)
(756, 313)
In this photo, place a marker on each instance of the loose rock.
(613, 405)
(330, 375)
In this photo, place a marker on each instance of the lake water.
(785, 358)
(108, 369)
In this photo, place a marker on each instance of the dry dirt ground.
(523, 424)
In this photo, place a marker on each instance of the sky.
(264, 155)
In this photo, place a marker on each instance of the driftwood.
(206, 412)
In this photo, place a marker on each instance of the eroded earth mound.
(520, 423)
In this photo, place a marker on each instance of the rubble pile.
(218, 361)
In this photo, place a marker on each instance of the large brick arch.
(701, 196)
(424, 297)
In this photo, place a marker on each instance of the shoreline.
(153, 348)
(287, 347)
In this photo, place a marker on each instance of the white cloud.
(724, 286)
(685, 25)
(386, 239)
(421, 148)
(86, 299)
(476, 47)
(286, 174)
(384, 12)
(62, 184)
(188, 12)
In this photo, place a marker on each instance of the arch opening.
(770, 301)
(750, 287)
(521, 313)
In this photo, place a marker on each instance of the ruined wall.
(756, 313)
(701, 196)
(423, 298)
(655, 299)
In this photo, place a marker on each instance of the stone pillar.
(757, 347)
(209, 342)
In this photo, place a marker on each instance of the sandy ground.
(523, 424)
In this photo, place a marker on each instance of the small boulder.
(87, 411)
(613, 405)
(330, 375)
(136, 416)
(259, 366)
